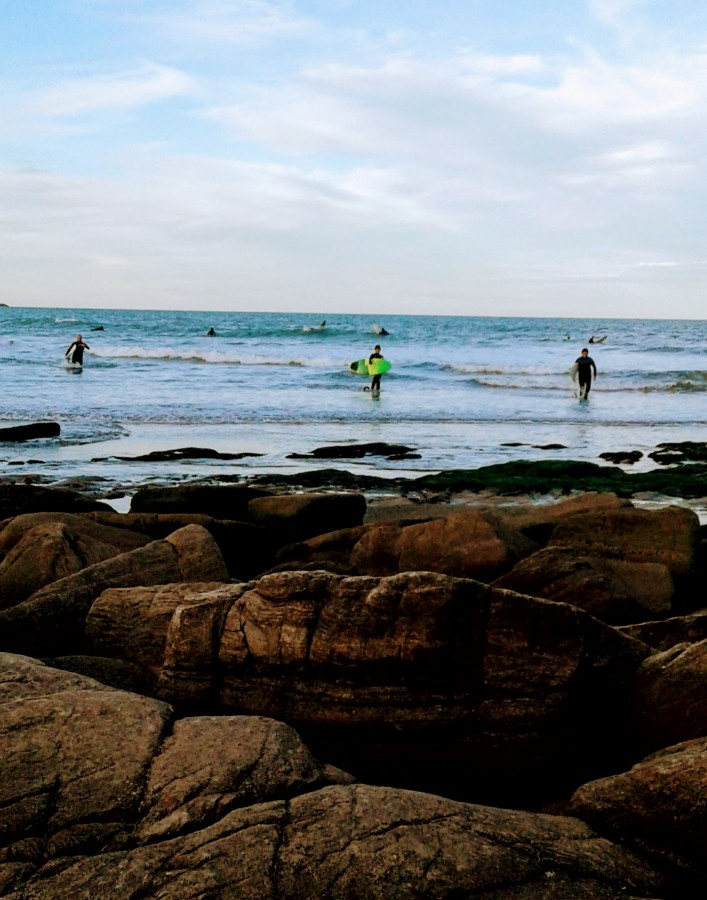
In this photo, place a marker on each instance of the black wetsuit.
(585, 365)
(75, 352)
(376, 383)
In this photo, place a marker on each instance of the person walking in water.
(376, 383)
(585, 366)
(75, 352)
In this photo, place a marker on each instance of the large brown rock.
(427, 672)
(611, 589)
(172, 631)
(213, 764)
(39, 548)
(228, 501)
(359, 841)
(468, 544)
(666, 633)
(418, 677)
(296, 517)
(660, 804)
(668, 537)
(538, 521)
(669, 700)
(86, 769)
(74, 761)
(53, 618)
(247, 549)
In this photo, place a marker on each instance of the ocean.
(463, 391)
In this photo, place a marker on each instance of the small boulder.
(611, 589)
(54, 617)
(37, 549)
(669, 701)
(667, 536)
(16, 499)
(30, 432)
(468, 544)
(296, 517)
(659, 805)
(228, 501)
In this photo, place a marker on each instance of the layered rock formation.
(397, 651)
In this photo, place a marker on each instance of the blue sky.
(478, 157)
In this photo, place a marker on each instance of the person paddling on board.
(585, 365)
(75, 352)
(376, 383)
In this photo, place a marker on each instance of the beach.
(463, 393)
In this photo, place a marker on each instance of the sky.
(463, 157)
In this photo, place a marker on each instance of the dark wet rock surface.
(30, 432)
(358, 451)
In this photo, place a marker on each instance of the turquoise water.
(461, 390)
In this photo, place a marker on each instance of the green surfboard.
(376, 367)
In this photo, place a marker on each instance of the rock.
(355, 451)
(669, 453)
(360, 841)
(144, 624)
(183, 453)
(219, 501)
(54, 616)
(30, 432)
(247, 549)
(213, 764)
(330, 551)
(37, 549)
(666, 536)
(89, 770)
(538, 522)
(16, 499)
(659, 805)
(666, 633)
(75, 758)
(420, 677)
(625, 457)
(669, 702)
(468, 544)
(115, 673)
(611, 589)
(301, 516)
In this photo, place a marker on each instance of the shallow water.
(461, 390)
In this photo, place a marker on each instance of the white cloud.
(116, 91)
(613, 13)
(226, 21)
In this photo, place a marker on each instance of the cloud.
(226, 21)
(116, 91)
(613, 13)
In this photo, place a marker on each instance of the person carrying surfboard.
(75, 352)
(376, 383)
(585, 365)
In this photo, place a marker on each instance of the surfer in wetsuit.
(75, 352)
(585, 365)
(376, 383)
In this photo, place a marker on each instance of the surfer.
(376, 383)
(75, 352)
(585, 365)
(210, 333)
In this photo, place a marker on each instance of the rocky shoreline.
(325, 686)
